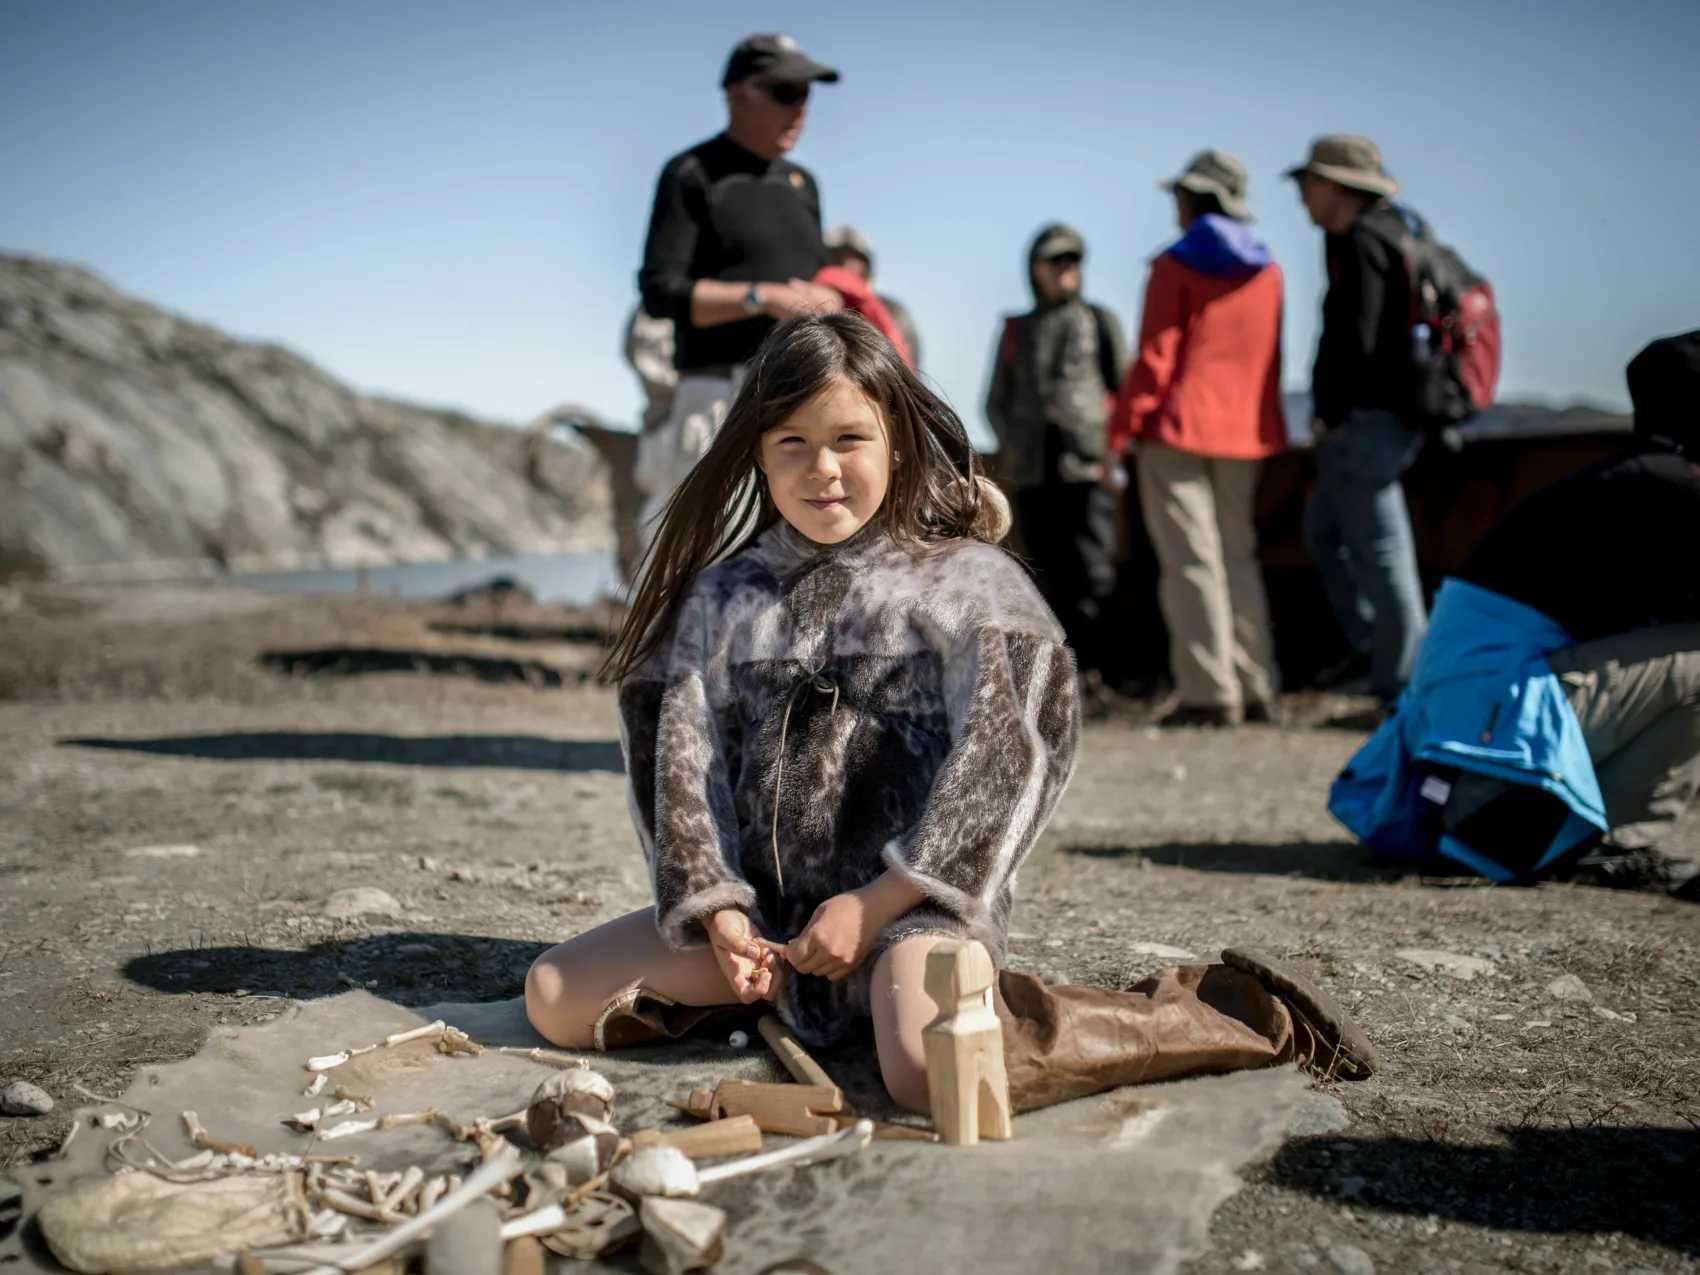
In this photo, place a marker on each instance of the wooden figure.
(966, 1085)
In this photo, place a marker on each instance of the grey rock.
(1567, 987)
(20, 1098)
(1349, 1259)
(363, 900)
(135, 442)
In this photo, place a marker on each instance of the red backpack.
(1455, 344)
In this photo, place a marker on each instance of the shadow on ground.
(513, 752)
(1325, 861)
(355, 661)
(527, 631)
(1637, 1180)
(409, 968)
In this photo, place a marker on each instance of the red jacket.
(859, 296)
(1207, 378)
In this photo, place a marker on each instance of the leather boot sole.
(1342, 1048)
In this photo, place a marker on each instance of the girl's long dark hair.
(936, 490)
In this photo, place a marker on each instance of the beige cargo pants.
(1198, 511)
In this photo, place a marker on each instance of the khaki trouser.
(1198, 510)
(1637, 696)
(667, 453)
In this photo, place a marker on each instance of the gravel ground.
(191, 776)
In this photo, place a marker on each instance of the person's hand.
(837, 938)
(1112, 471)
(746, 960)
(787, 300)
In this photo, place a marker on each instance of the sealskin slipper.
(1340, 1048)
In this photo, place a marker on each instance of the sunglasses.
(787, 93)
(1064, 262)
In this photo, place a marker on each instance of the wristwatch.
(752, 299)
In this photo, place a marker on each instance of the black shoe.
(1206, 716)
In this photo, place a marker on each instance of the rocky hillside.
(136, 443)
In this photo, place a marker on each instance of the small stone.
(1250, 1260)
(20, 1098)
(1349, 1259)
(1318, 1113)
(1460, 967)
(1162, 951)
(362, 900)
(1352, 1187)
(738, 1040)
(1178, 774)
(1567, 987)
(1054, 942)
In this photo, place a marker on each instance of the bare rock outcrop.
(135, 443)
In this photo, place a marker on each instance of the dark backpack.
(1455, 344)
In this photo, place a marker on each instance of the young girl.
(846, 714)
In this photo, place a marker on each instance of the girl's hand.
(746, 960)
(837, 938)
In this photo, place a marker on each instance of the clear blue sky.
(447, 201)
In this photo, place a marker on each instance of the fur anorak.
(822, 713)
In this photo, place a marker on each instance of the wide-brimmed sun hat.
(1352, 161)
(1216, 173)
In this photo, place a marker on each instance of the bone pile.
(567, 1179)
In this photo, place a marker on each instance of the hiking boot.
(1328, 1042)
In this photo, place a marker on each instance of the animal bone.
(454, 1041)
(432, 1191)
(584, 1228)
(426, 1116)
(199, 1137)
(346, 1107)
(342, 1202)
(125, 1120)
(548, 1057)
(566, 1093)
(313, 1090)
(680, 1235)
(327, 1061)
(304, 1121)
(362, 1102)
(482, 1180)
(410, 1182)
(832, 1146)
(346, 1128)
(418, 1033)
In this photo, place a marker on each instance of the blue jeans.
(1359, 534)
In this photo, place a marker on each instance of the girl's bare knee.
(551, 1008)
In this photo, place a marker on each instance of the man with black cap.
(1054, 380)
(1357, 525)
(734, 241)
(1552, 724)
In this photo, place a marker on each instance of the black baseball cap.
(778, 57)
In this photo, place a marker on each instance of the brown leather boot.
(642, 1017)
(1064, 1042)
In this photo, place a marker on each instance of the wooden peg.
(804, 1069)
(803, 1111)
(734, 1135)
(966, 1084)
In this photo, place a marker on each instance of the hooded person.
(849, 249)
(1202, 404)
(1552, 723)
(1054, 379)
